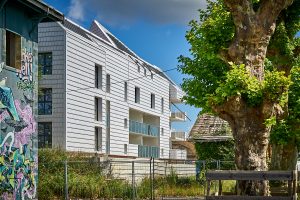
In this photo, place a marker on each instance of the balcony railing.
(178, 116)
(178, 135)
(145, 129)
(148, 151)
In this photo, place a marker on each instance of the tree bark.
(253, 31)
(284, 157)
(251, 137)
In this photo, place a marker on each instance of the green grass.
(86, 180)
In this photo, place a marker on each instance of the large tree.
(231, 75)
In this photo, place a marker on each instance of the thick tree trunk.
(251, 140)
(253, 30)
(251, 144)
(284, 157)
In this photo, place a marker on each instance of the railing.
(141, 128)
(148, 151)
(178, 135)
(181, 116)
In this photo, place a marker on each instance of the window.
(107, 127)
(137, 95)
(108, 83)
(125, 91)
(13, 50)
(145, 72)
(162, 131)
(139, 68)
(125, 148)
(125, 123)
(98, 138)
(98, 76)
(162, 152)
(152, 100)
(45, 134)
(98, 109)
(151, 75)
(45, 63)
(45, 101)
(162, 105)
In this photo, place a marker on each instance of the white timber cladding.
(52, 40)
(81, 56)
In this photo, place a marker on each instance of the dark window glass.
(153, 101)
(45, 134)
(98, 138)
(98, 109)
(162, 105)
(125, 91)
(98, 77)
(13, 50)
(45, 101)
(108, 83)
(137, 95)
(45, 63)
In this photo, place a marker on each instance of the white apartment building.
(96, 95)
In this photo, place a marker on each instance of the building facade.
(96, 95)
(18, 95)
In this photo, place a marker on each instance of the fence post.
(66, 180)
(133, 180)
(152, 186)
(151, 178)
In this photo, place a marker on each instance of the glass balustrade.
(142, 128)
(148, 151)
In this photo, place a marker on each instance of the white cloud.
(118, 12)
(76, 10)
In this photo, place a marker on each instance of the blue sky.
(155, 30)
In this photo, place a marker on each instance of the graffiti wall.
(18, 127)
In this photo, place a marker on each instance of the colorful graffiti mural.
(18, 127)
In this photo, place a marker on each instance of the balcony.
(178, 135)
(148, 151)
(144, 129)
(178, 116)
(176, 94)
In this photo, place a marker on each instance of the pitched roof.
(208, 125)
(99, 32)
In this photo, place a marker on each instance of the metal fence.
(134, 179)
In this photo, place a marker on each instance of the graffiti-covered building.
(18, 94)
(99, 96)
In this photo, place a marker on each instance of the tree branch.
(269, 11)
(241, 10)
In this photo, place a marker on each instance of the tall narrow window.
(152, 100)
(13, 50)
(162, 131)
(45, 63)
(107, 127)
(45, 101)
(125, 123)
(152, 75)
(125, 91)
(139, 68)
(137, 95)
(125, 149)
(108, 83)
(98, 109)
(145, 72)
(44, 134)
(98, 76)
(162, 105)
(98, 138)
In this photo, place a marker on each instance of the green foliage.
(238, 82)
(223, 150)
(215, 32)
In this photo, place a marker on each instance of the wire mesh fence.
(126, 179)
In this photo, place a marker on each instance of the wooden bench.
(289, 176)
